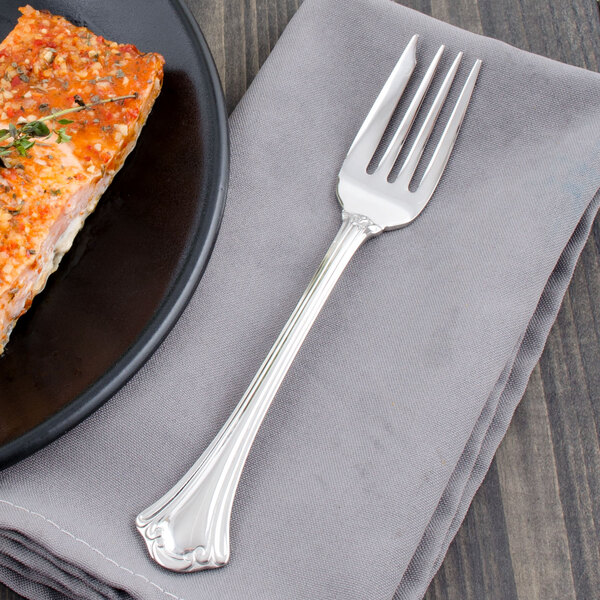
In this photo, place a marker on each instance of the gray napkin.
(390, 416)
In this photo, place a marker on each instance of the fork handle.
(188, 528)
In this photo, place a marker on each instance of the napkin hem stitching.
(99, 552)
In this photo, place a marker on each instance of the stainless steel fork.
(188, 528)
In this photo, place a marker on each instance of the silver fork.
(188, 528)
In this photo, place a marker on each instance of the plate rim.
(173, 304)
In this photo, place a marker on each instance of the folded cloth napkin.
(391, 413)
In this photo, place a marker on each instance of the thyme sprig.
(23, 136)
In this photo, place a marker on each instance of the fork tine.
(369, 135)
(393, 150)
(412, 160)
(442, 152)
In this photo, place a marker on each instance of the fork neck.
(353, 232)
(358, 225)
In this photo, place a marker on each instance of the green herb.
(61, 135)
(23, 136)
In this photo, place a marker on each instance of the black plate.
(139, 257)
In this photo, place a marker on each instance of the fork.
(188, 528)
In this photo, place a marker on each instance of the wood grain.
(533, 529)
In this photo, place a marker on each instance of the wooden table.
(533, 530)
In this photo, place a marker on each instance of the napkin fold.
(391, 413)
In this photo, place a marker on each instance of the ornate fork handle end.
(188, 528)
(159, 541)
